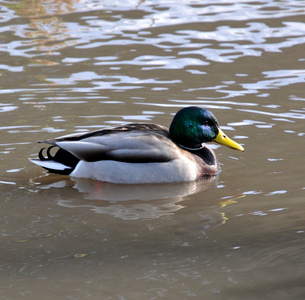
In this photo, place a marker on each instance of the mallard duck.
(141, 153)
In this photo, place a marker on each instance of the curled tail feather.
(62, 162)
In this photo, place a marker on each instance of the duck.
(141, 153)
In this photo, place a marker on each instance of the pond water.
(73, 66)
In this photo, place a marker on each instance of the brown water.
(72, 66)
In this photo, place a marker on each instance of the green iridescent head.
(193, 126)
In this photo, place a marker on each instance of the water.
(74, 66)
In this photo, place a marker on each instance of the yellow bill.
(222, 139)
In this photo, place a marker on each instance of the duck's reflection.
(94, 190)
(127, 202)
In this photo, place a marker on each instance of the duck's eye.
(205, 122)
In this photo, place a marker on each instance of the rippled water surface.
(72, 66)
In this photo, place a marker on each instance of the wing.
(126, 145)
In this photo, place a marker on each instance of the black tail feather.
(61, 156)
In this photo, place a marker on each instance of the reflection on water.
(78, 65)
(129, 202)
(108, 25)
